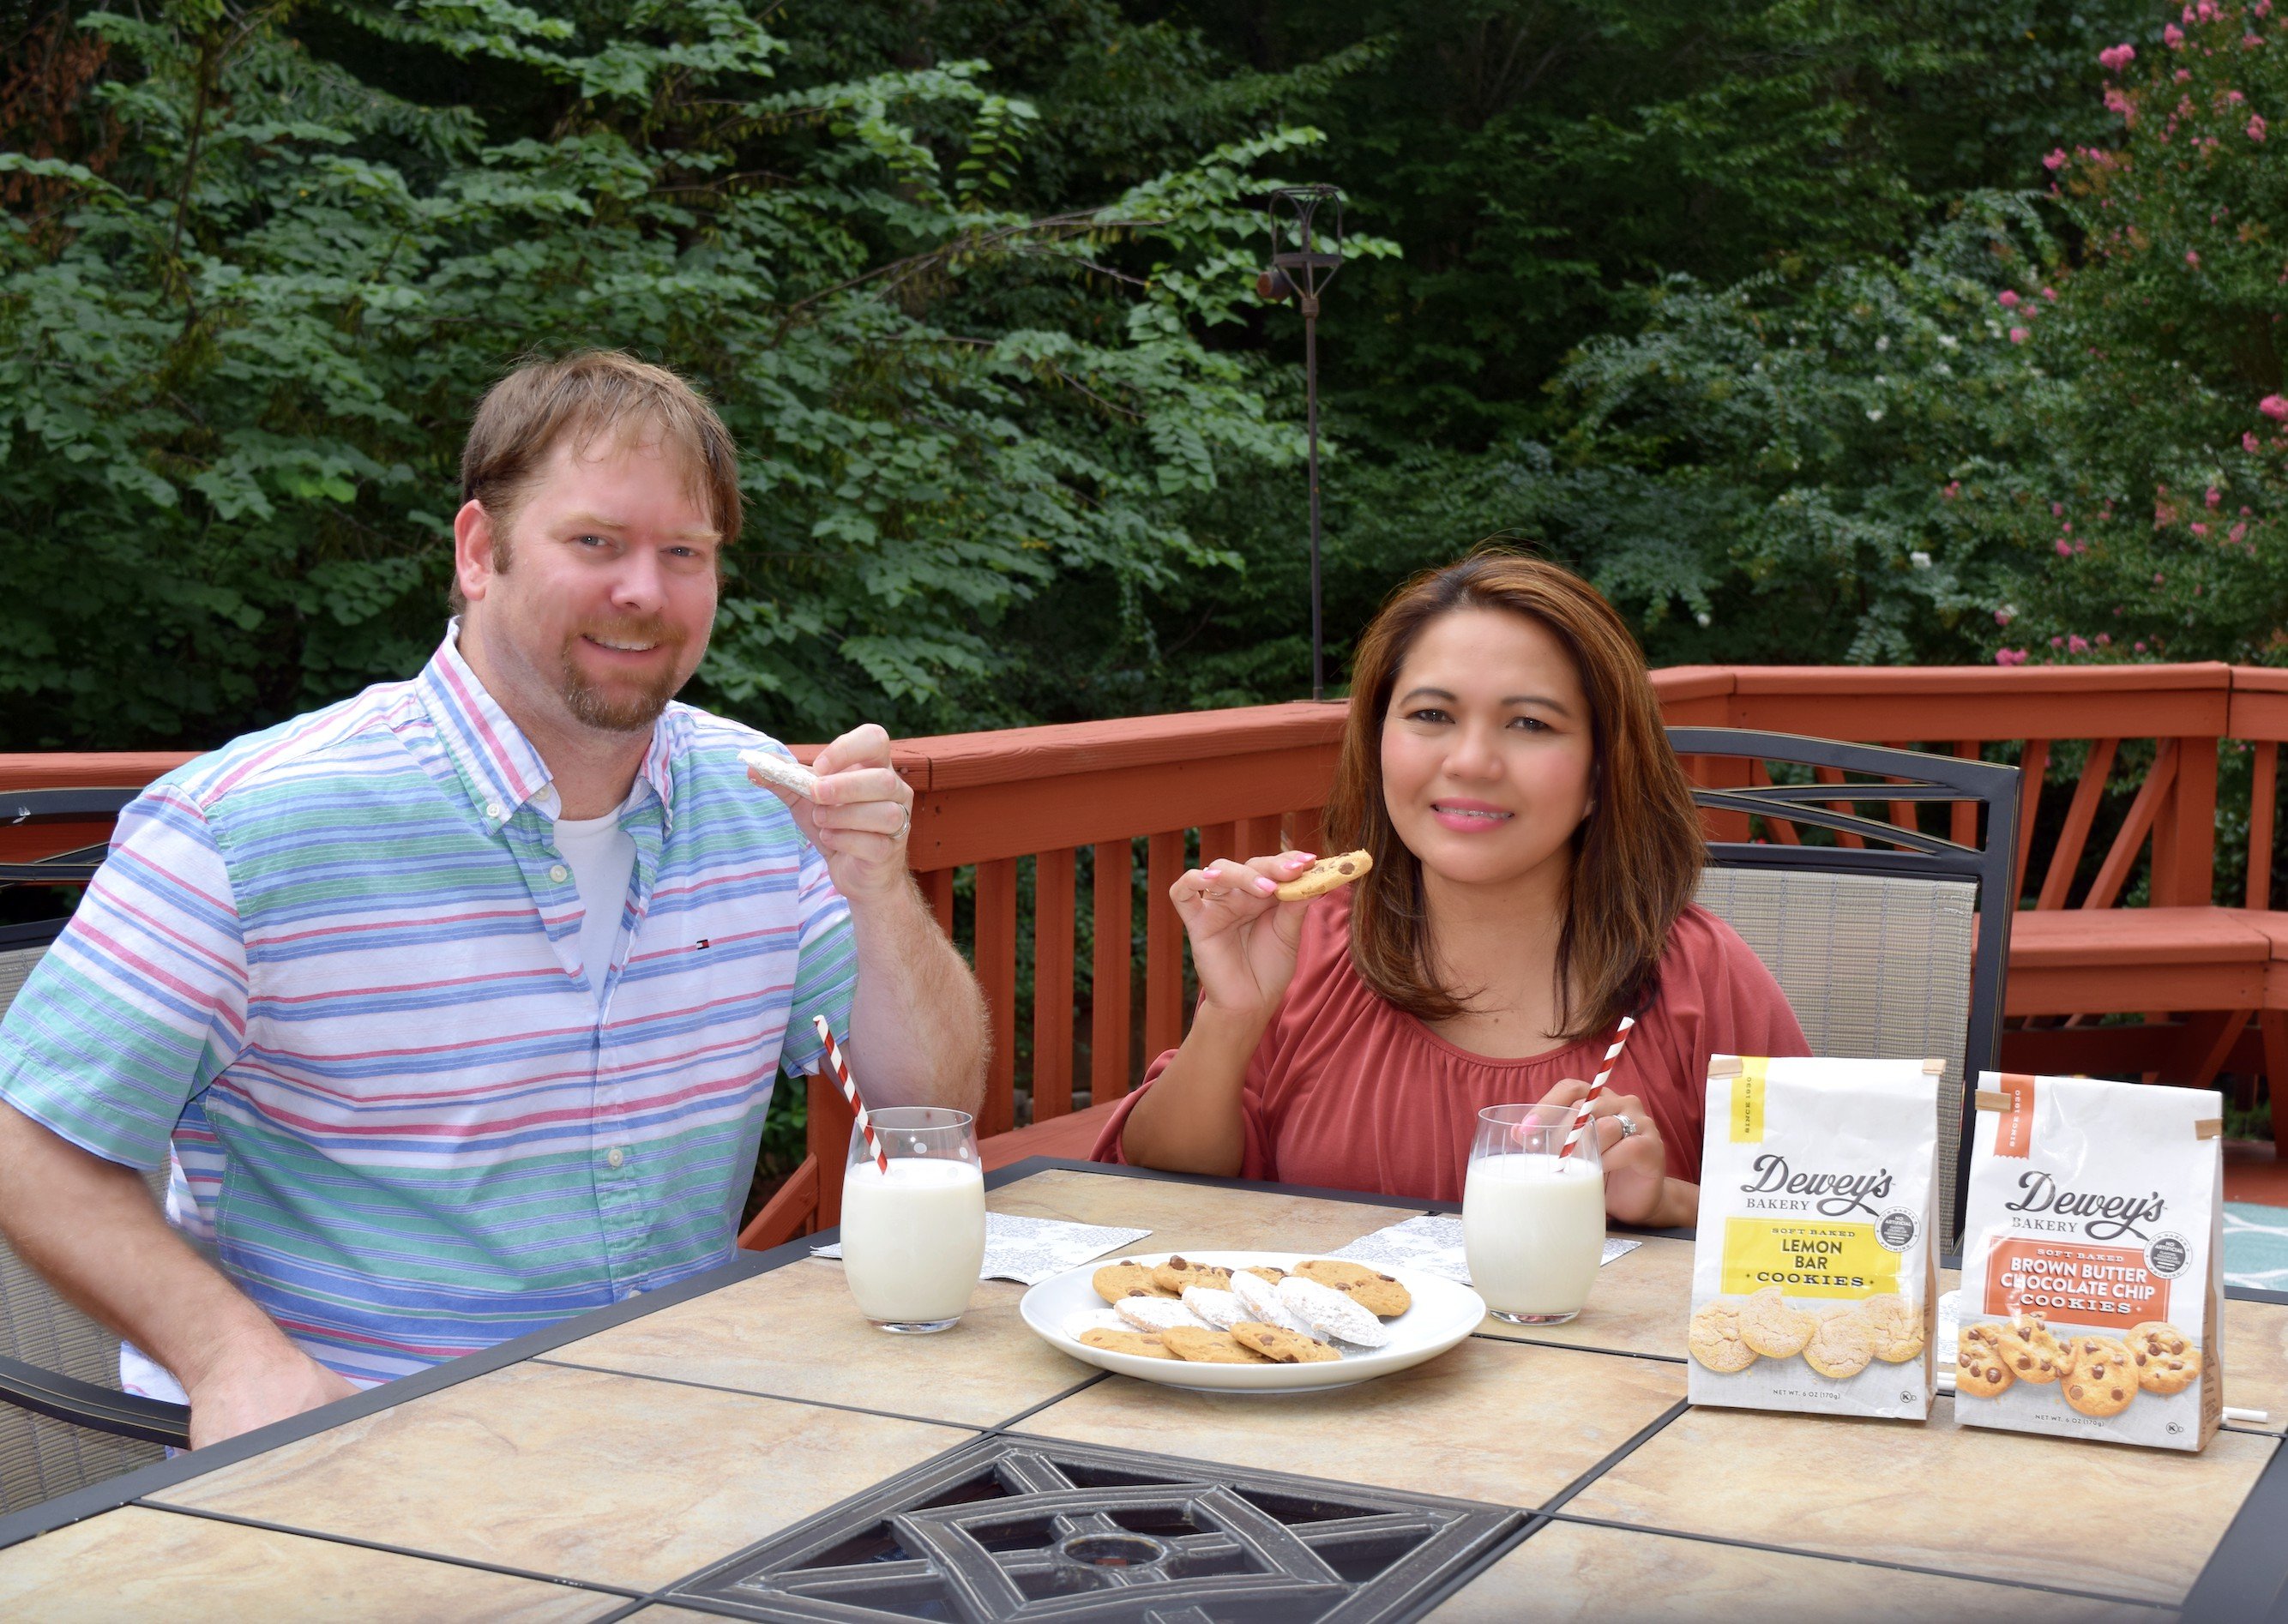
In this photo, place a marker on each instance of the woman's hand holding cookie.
(1243, 937)
(1636, 1163)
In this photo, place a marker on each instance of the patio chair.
(63, 1421)
(1890, 942)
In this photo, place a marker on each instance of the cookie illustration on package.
(1813, 1273)
(2091, 1261)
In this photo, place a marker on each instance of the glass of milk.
(1533, 1223)
(913, 1240)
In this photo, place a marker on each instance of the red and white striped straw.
(1588, 1106)
(840, 1067)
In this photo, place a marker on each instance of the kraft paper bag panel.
(2093, 1262)
(1814, 1276)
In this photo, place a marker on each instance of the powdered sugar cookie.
(1221, 1309)
(1330, 1313)
(1156, 1313)
(789, 775)
(1262, 1298)
(1095, 1320)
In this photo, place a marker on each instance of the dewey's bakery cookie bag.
(2093, 1282)
(1813, 1275)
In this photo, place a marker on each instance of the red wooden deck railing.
(2121, 797)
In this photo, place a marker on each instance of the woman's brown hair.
(1636, 856)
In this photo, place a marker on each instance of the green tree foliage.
(242, 327)
(2014, 445)
(1610, 214)
(1705, 299)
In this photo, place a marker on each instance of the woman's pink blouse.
(1349, 1092)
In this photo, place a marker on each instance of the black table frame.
(2245, 1577)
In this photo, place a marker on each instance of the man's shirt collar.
(498, 765)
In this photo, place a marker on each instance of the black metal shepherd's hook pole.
(1302, 272)
(1311, 419)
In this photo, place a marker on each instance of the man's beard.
(624, 713)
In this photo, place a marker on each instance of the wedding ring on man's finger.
(905, 822)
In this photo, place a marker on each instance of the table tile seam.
(1880, 1562)
(670, 1594)
(1414, 1206)
(1026, 1415)
(1570, 1347)
(1643, 1435)
(597, 1585)
(96, 1499)
(751, 1393)
(1430, 1601)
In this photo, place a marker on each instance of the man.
(460, 1000)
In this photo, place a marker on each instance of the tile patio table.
(670, 1459)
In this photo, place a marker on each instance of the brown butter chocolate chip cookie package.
(1813, 1274)
(2092, 1287)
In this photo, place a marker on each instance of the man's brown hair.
(590, 392)
(1636, 856)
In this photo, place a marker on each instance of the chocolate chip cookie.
(2163, 1357)
(2029, 1351)
(1283, 1347)
(1979, 1372)
(2098, 1378)
(1378, 1292)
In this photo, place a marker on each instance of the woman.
(1535, 852)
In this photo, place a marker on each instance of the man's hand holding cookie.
(857, 814)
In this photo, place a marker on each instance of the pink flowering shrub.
(2182, 373)
(2034, 425)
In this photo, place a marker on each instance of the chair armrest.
(100, 1409)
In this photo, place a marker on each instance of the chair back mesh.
(1876, 967)
(39, 1458)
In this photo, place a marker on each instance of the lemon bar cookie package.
(1813, 1273)
(2093, 1290)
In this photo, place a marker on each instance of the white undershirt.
(603, 857)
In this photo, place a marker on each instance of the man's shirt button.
(560, 874)
(617, 1157)
(492, 809)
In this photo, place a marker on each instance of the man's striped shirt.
(338, 964)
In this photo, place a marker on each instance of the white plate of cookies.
(1249, 1321)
